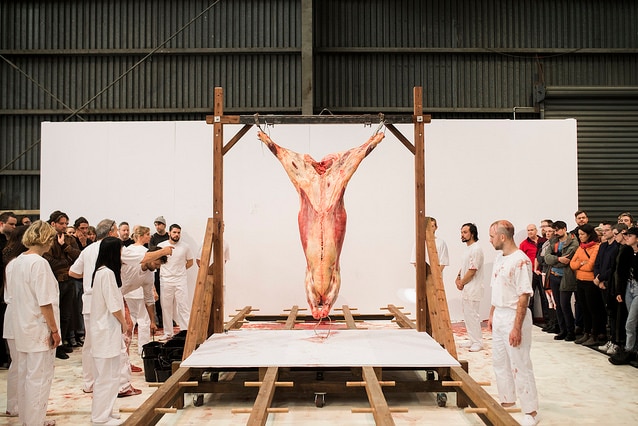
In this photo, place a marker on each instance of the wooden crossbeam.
(402, 320)
(163, 397)
(380, 410)
(238, 318)
(259, 413)
(292, 317)
(495, 414)
(347, 315)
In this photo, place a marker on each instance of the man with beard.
(470, 281)
(174, 283)
(511, 323)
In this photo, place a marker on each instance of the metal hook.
(257, 121)
(381, 123)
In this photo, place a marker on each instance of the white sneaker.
(466, 344)
(612, 349)
(605, 347)
(530, 420)
(476, 347)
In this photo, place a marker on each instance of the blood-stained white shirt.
(511, 277)
(85, 265)
(107, 330)
(32, 284)
(136, 282)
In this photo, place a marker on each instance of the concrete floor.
(577, 386)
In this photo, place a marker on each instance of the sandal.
(131, 391)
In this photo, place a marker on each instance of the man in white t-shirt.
(441, 248)
(511, 323)
(470, 281)
(138, 267)
(174, 283)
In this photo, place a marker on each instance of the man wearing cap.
(159, 236)
(562, 280)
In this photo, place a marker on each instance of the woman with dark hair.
(107, 321)
(13, 249)
(589, 298)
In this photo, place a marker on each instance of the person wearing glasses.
(604, 268)
(83, 269)
(627, 292)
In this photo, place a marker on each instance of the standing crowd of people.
(585, 282)
(84, 287)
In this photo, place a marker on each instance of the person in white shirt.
(138, 267)
(107, 321)
(36, 324)
(511, 323)
(83, 268)
(441, 248)
(470, 281)
(174, 283)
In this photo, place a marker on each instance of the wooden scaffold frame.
(207, 313)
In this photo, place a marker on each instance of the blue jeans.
(631, 300)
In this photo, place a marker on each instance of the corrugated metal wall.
(607, 146)
(475, 59)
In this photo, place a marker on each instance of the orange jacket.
(582, 264)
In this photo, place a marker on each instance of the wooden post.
(216, 324)
(419, 205)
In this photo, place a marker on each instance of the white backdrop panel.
(477, 171)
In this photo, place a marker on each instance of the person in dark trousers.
(159, 236)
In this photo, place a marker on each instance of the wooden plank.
(496, 414)
(419, 205)
(259, 414)
(439, 315)
(240, 134)
(238, 318)
(402, 320)
(163, 397)
(380, 410)
(202, 298)
(292, 317)
(397, 133)
(216, 323)
(347, 315)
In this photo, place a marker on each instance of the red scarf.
(588, 244)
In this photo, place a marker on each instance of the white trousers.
(35, 375)
(124, 366)
(105, 389)
(512, 365)
(87, 357)
(472, 320)
(12, 379)
(174, 300)
(139, 315)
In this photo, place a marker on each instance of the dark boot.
(621, 357)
